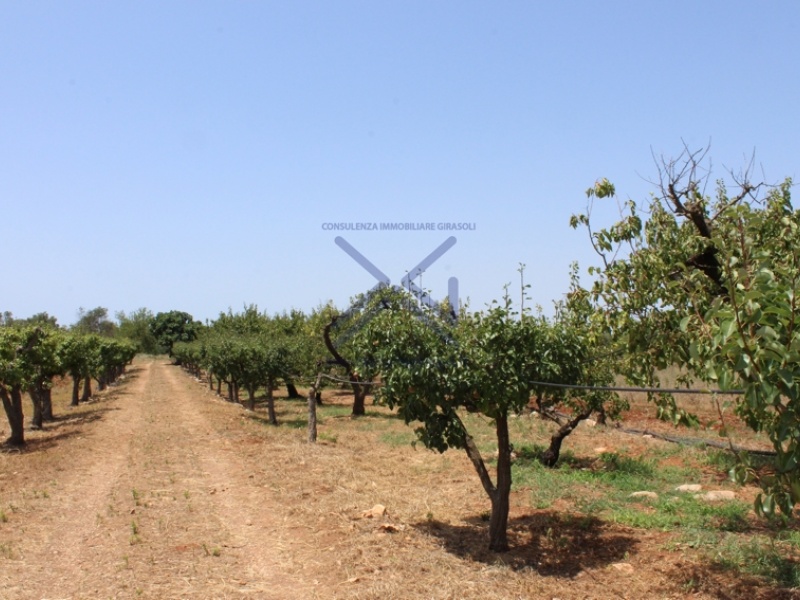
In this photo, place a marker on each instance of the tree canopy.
(710, 283)
(174, 326)
(490, 362)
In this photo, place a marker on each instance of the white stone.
(649, 495)
(717, 496)
(689, 487)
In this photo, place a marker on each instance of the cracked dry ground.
(160, 497)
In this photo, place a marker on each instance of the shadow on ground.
(551, 543)
(69, 424)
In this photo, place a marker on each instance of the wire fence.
(591, 388)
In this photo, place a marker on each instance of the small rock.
(717, 496)
(648, 495)
(589, 422)
(647, 436)
(376, 511)
(689, 487)
(625, 568)
(600, 450)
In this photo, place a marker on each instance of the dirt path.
(161, 501)
(159, 489)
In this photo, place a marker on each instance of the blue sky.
(185, 155)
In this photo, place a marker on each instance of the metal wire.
(634, 389)
(643, 390)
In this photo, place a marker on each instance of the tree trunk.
(359, 395)
(550, 457)
(36, 399)
(12, 404)
(602, 418)
(41, 398)
(273, 419)
(498, 524)
(312, 411)
(292, 390)
(499, 494)
(47, 404)
(251, 397)
(87, 389)
(360, 390)
(76, 388)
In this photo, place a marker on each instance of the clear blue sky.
(186, 154)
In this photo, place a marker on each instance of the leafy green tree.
(112, 357)
(711, 284)
(192, 356)
(222, 359)
(361, 386)
(41, 319)
(249, 349)
(17, 372)
(338, 331)
(136, 328)
(80, 358)
(174, 326)
(45, 362)
(279, 358)
(294, 326)
(94, 321)
(490, 362)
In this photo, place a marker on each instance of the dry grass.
(162, 490)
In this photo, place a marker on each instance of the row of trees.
(150, 333)
(36, 350)
(251, 351)
(31, 356)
